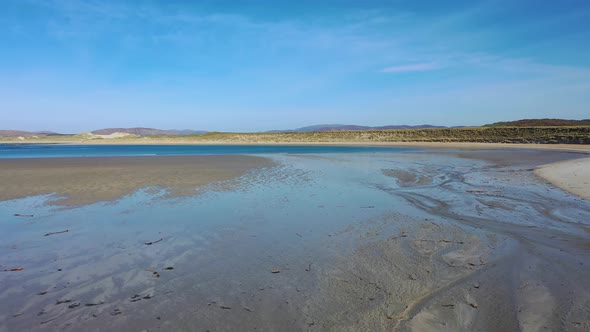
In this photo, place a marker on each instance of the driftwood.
(154, 273)
(47, 321)
(60, 232)
(93, 304)
(153, 242)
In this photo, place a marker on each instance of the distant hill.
(46, 132)
(147, 131)
(540, 123)
(140, 131)
(17, 133)
(338, 127)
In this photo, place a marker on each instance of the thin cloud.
(412, 68)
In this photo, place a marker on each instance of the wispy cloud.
(427, 66)
(125, 58)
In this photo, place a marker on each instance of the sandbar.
(82, 181)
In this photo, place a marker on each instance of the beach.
(573, 176)
(560, 174)
(429, 239)
(295, 166)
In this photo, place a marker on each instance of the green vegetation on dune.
(537, 135)
(543, 135)
(541, 123)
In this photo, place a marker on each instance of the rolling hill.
(540, 123)
(17, 133)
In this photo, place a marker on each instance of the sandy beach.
(79, 181)
(572, 175)
(295, 166)
(416, 240)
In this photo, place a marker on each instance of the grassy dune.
(569, 135)
(538, 135)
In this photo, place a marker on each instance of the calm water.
(59, 150)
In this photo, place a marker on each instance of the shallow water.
(318, 220)
(105, 150)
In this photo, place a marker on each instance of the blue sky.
(74, 66)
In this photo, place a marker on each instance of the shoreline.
(434, 145)
(559, 174)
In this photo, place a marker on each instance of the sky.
(74, 66)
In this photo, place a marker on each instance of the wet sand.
(424, 241)
(490, 256)
(79, 181)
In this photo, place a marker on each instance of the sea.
(66, 150)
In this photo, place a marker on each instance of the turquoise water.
(62, 150)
